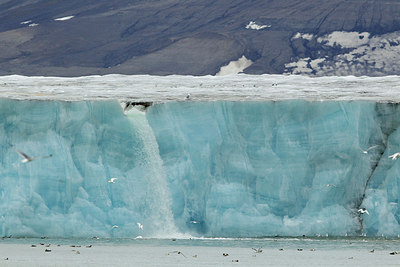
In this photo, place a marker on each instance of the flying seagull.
(368, 149)
(28, 158)
(112, 180)
(140, 225)
(395, 156)
(363, 210)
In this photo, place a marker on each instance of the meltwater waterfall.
(157, 207)
(68, 195)
(203, 168)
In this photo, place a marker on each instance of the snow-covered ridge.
(239, 87)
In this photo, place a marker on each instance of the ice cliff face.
(204, 168)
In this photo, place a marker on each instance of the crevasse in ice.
(212, 168)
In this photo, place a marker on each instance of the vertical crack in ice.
(386, 133)
(361, 200)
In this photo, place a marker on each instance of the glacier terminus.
(244, 156)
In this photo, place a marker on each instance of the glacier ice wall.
(205, 168)
(68, 195)
(268, 168)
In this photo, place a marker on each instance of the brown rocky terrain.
(196, 37)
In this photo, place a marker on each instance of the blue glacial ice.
(212, 168)
(68, 195)
(268, 168)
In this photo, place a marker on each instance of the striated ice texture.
(269, 168)
(218, 169)
(68, 195)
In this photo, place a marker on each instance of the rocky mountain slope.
(198, 37)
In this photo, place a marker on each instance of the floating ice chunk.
(235, 67)
(253, 26)
(64, 18)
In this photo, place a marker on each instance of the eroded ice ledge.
(240, 87)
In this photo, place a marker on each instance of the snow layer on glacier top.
(240, 87)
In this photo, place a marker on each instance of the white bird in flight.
(368, 149)
(28, 158)
(115, 226)
(395, 156)
(112, 180)
(363, 210)
(140, 225)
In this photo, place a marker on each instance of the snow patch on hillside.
(254, 26)
(235, 67)
(361, 54)
(306, 36)
(64, 18)
(345, 39)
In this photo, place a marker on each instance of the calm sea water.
(201, 252)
